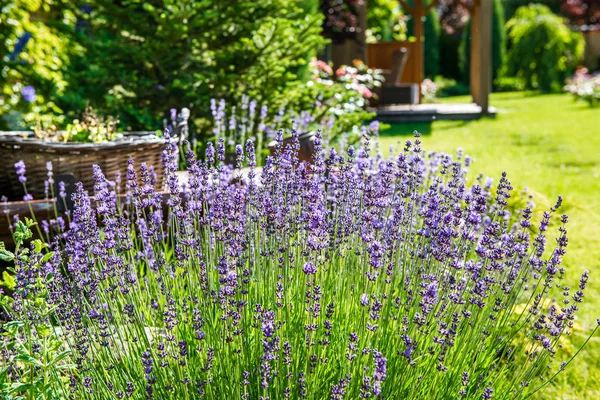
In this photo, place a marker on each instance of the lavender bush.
(354, 277)
(333, 102)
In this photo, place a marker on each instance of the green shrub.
(384, 21)
(175, 53)
(449, 45)
(511, 6)
(543, 51)
(32, 56)
(498, 44)
(448, 87)
(433, 31)
(509, 84)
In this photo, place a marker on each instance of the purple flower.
(487, 393)
(221, 149)
(364, 300)
(210, 153)
(28, 93)
(20, 168)
(380, 372)
(309, 268)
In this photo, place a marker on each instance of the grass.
(550, 144)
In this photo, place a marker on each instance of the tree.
(543, 51)
(433, 31)
(33, 55)
(511, 6)
(174, 53)
(453, 16)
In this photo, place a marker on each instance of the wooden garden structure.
(379, 55)
(481, 44)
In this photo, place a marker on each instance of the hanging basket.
(74, 159)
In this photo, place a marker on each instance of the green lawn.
(550, 144)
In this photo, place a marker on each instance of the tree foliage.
(385, 21)
(511, 6)
(433, 31)
(33, 55)
(582, 12)
(543, 51)
(177, 53)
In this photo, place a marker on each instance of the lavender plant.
(333, 102)
(353, 277)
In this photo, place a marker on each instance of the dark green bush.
(498, 44)
(449, 45)
(448, 87)
(178, 53)
(509, 84)
(433, 32)
(543, 50)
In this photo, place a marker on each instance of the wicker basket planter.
(74, 159)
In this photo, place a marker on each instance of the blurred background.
(135, 60)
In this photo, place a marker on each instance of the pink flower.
(366, 92)
(322, 65)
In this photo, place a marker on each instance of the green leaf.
(13, 326)
(8, 281)
(59, 357)
(27, 359)
(5, 255)
(38, 245)
(43, 330)
(22, 231)
(20, 387)
(47, 256)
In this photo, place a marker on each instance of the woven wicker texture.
(72, 158)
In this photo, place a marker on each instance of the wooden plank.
(431, 112)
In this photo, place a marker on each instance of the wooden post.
(481, 53)
(418, 12)
(418, 31)
(361, 38)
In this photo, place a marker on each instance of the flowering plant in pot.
(359, 277)
(72, 152)
(90, 129)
